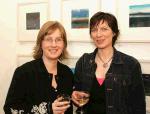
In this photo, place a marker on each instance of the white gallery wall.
(14, 52)
(8, 31)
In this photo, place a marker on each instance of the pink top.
(100, 80)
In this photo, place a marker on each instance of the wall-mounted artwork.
(75, 18)
(139, 15)
(31, 16)
(134, 20)
(79, 18)
(33, 21)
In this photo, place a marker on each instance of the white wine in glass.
(83, 99)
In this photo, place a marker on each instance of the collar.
(43, 69)
(117, 57)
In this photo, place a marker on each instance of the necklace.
(105, 64)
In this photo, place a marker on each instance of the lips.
(100, 40)
(52, 50)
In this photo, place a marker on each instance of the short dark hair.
(110, 19)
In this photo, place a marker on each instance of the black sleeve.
(16, 96)
(137, 94)
(78, 74)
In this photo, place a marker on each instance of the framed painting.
(30, 18)
(134, 20)
(75, 18)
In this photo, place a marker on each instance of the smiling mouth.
(52, 50)
(100, 40)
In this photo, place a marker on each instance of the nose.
(53, 43)
(99, 33)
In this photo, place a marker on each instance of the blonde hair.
(49, 27)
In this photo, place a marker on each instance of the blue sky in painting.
(80, 13)
(140, 8)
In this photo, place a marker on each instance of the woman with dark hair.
(112, 78)
(36, 84)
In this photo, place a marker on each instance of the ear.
(114, 34)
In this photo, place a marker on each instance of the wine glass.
(83, 98)
(64, 97)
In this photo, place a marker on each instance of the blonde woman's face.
(53, 45)
(102, 35)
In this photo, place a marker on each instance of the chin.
(100, 46)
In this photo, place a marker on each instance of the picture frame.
(31, 16)
(127, 33)
(75, 18)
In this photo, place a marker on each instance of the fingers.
(60, 107)
(75, 97)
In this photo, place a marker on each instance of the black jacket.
(124, 88)
(31, 91)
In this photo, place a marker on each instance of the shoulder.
(128, 60)
(28, 68)
(27, 65)
(64, 68)
(87, 56)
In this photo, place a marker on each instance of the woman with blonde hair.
(36, 84)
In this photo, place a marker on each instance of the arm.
(16, 97)
(78, 74)
(77, 81)
(136, 93)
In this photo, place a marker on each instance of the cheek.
(110, 36)
(62, 46)
(42, 45)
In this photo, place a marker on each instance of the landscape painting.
(79, 18)
(139, 15)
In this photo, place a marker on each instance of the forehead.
(56, 31)
(101, 23)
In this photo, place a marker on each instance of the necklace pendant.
(105, 65)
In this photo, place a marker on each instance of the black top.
(31, 91)
(96, 104)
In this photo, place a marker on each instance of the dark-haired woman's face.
(102, 35)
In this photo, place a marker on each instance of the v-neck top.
(96, 104)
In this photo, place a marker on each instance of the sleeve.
(78, 74)
(16, 97)
(137, 93)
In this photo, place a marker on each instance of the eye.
(48, 39)
(59, 39)
(94, 30)
(104, 29)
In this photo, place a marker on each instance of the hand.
(76, 96)
(59, 106)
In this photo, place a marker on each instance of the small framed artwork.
(134, 20)
(79, 18)
(31, 16)
(75, 18)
